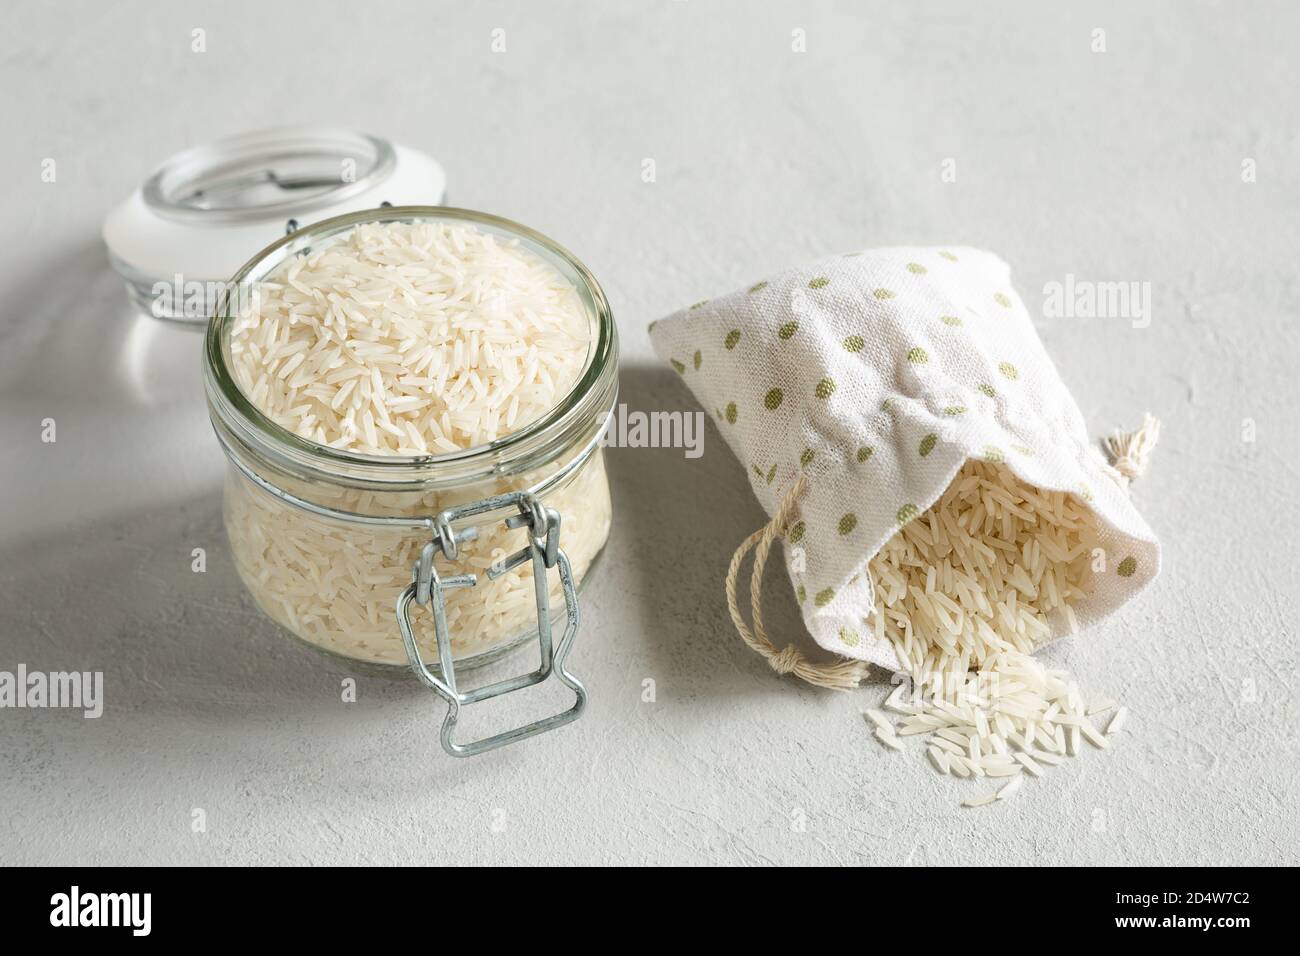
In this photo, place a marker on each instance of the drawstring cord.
(841, 675)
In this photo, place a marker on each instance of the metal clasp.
(427, 587)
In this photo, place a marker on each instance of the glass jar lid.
(191, 225)
(271, 174)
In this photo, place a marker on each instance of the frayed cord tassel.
(1130, 452)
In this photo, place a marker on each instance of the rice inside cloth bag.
(854, 390)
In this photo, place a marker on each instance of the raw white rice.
(880, 720)
(965, 593)
(1000, 771)
(1117, 722)
(1029, 763)
(336, 585)
(399, 339)
(946, 745)
(887, 738)
(410, 339)
(1094, 736)
(938, 758)
(1005, 574)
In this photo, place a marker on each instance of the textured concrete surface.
(1118, 165)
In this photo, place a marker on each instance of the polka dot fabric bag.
(853, 391)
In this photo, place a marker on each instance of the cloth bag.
(853, 390)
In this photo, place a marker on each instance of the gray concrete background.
(1122, 165)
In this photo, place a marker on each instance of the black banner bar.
(135, 906)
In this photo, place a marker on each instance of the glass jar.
(404, 560)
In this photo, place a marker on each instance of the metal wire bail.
(427, 587)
